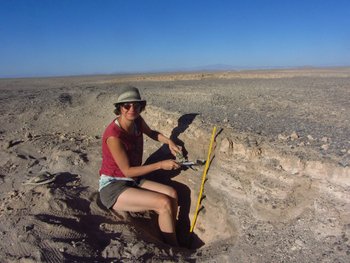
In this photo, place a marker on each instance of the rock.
(345, 161)
(239, 148)
(282, 137)
(170, 121)
(63, 137)
(325, 147)
(255, 152)
(226, 146)
(324, 139)
(138, 250)
(310, 137)
(294, 135)
(299, 243)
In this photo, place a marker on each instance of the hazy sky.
(43, 38)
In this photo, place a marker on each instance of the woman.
(121, 188)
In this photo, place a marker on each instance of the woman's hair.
(117, 106)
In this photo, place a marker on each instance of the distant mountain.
(213, 67)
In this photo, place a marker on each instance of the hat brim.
(125, 101)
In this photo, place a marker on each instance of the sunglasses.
(135, 105)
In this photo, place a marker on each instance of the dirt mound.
(259, 198)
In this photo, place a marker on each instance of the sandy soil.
(278, 187)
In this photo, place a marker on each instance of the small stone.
(225, 120)
(325, 147)
(324, 139)
(299, 242)
(282, 137)
(294, 135)
(170, 121)
(226, 145)
(138, 250)
(345, 161)
(310, 137)
(63, 136)
(293, 248)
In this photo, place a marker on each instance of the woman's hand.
(175, 149)
(169, 165)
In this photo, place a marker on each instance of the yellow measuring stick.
(203, 180)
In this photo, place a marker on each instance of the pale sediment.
(252, 184)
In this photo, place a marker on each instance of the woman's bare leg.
(164, 189)
(171, 192)
(139, 200)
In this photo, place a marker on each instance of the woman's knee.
(164, 204)
(172, 193)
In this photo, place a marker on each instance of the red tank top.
(133, 144)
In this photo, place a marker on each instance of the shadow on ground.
(184, 192)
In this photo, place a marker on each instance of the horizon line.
(209, 68)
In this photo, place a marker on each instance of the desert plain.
(277, 188)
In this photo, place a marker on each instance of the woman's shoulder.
(112, 130)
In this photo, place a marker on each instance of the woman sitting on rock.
(121, 187)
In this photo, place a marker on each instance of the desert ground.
(277, 188)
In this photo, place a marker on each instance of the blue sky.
(50, 38)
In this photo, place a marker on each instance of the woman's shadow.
(184, 192)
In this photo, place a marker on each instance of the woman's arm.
(118, 152)
(157, 136)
